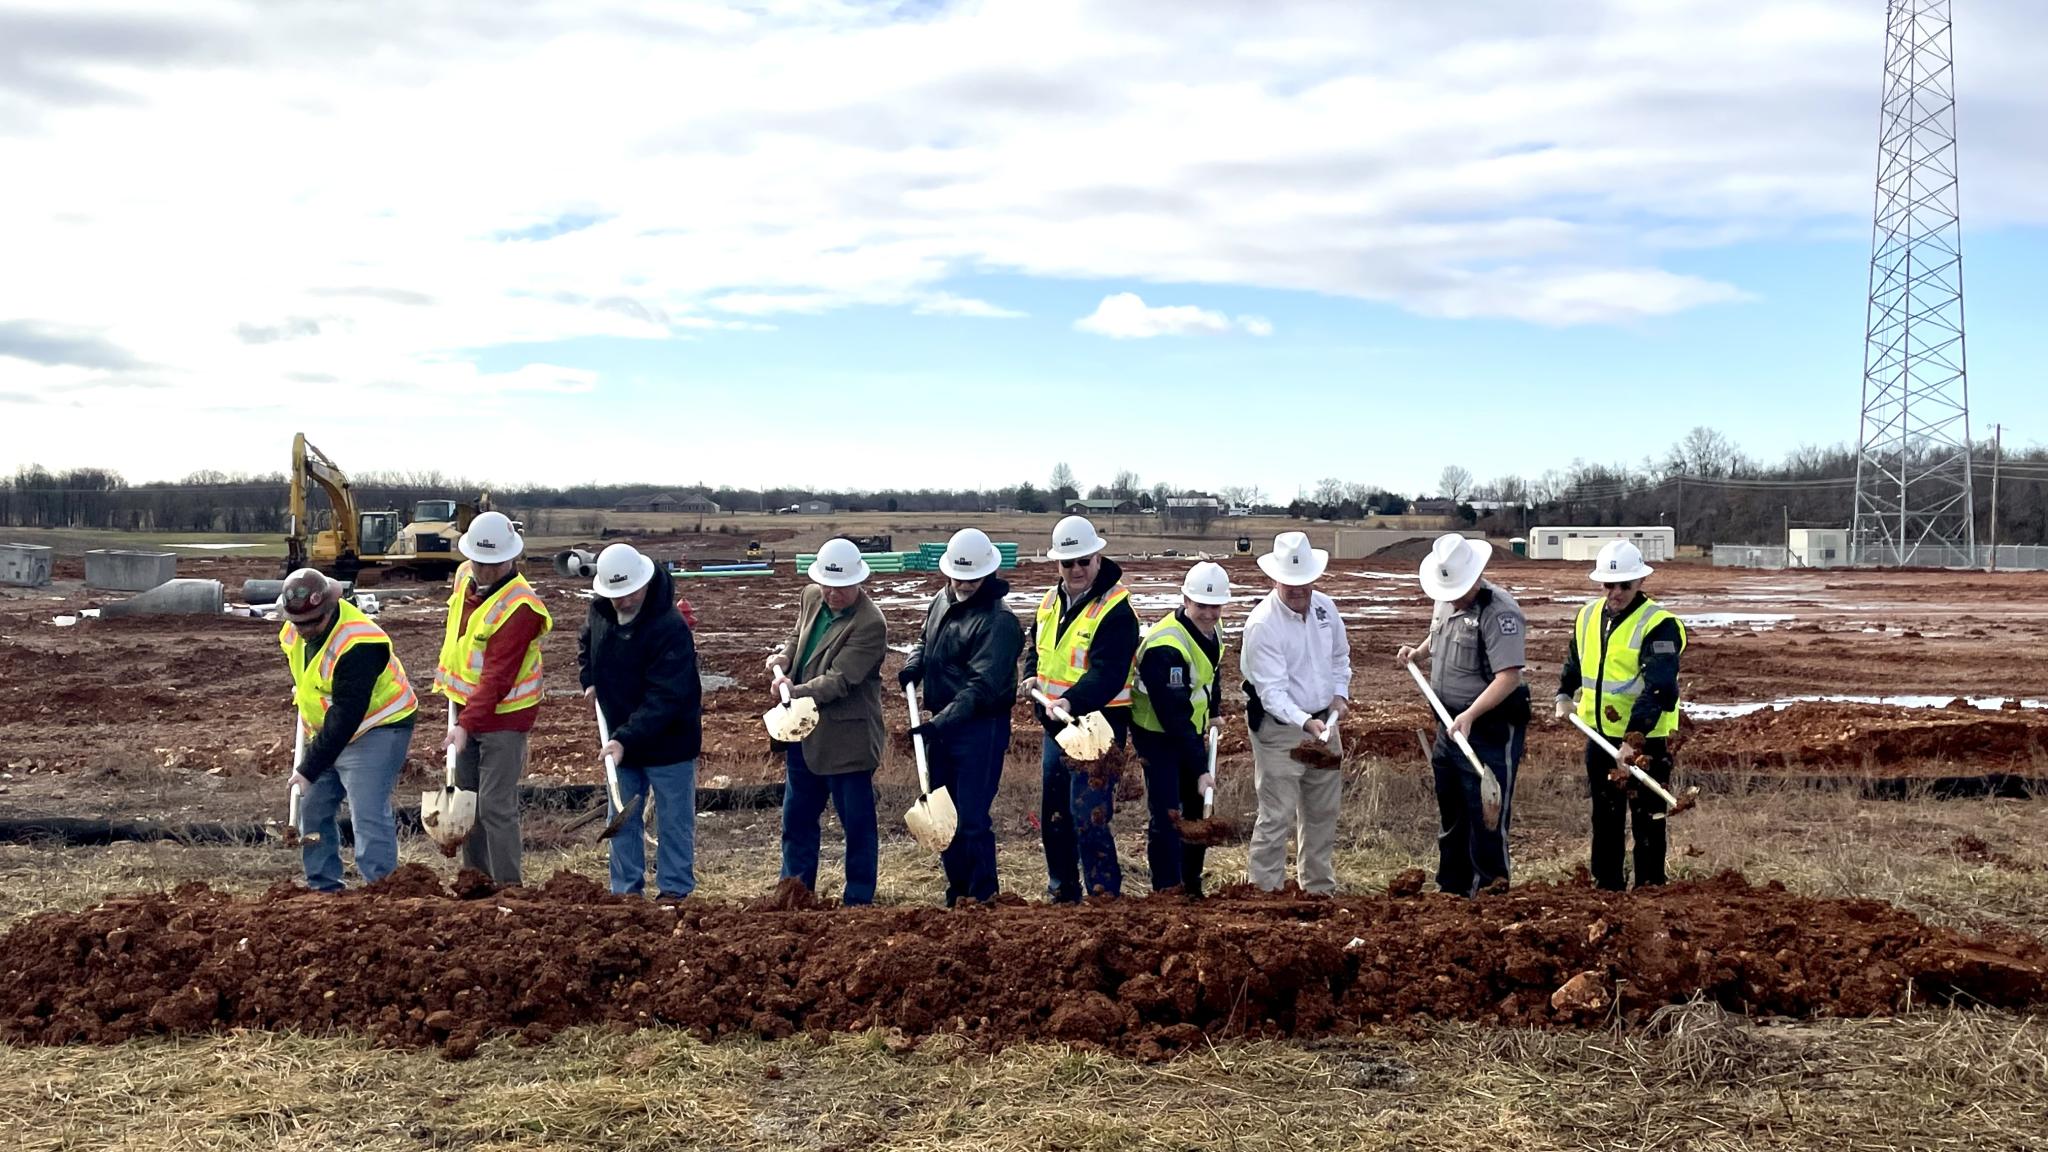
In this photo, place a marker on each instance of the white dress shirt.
(1299, 665)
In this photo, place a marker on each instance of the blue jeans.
(1073, 823)
(803, 803)
(675, 823)
(967, 761)
(1469, 855)
(366, 772)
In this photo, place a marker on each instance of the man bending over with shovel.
(1475, 648)
(356, 709)
(966, 662)
(1622, 667)
(491, 673)
(833, 658)
(636, 658)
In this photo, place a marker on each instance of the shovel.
(1489, 786)
(611, 778)
(294, 809)
(791, 721)
(1208, 830)
(933, 819)
(1084, 739)
(1671, 803)
(448, 813)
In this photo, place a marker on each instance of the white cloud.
(182, 181)
(1126, 316)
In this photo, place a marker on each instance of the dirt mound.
(1414, 552)
(1869, 738)
(1149, 977)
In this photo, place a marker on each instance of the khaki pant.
(491, 765)
(1293, 795)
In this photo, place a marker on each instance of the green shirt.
(825, 618)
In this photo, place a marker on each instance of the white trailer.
(1657, 542)
(1818, 548)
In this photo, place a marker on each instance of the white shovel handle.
(784, 685)
(1443, 714)
(451, 751)
(1647, 780)
(611, 769)
(1045, 702)
(293, 794)
(924, 778)
(1209, 791)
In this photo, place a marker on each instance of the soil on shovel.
(411, 965)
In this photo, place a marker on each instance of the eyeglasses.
(1083, 562)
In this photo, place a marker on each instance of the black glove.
(927, 730)
(905, 676)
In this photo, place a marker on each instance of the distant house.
(813, 508)
(1194, 503)
(1433, 508)
(1102, 507)
(666, 502)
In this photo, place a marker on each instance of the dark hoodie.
(1110, 655)
(645, 674)
(967, 656)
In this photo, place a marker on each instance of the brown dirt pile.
(1148, 977)
(1869, 738)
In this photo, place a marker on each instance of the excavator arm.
(311, 466)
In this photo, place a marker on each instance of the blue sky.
(849, 245)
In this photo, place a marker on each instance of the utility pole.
(1997, 450)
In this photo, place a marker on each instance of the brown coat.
(844, 675)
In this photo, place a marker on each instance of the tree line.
(1704, 486)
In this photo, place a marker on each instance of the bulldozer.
(365, 546)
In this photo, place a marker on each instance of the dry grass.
(1694, 1079)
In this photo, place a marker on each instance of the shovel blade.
(448, 815)
(1489, 800)
(790, 723)
(933, 820)
(1087, 738)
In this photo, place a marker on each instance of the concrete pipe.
(575, 562)
(261, 591)
(176, 598)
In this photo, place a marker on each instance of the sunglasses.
(1630, 586)
(1083, 562)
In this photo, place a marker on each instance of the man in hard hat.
(1622, 667)
(1081, 652)
(1475, 649)
(636, 659)
(966, 661)
(834, 656)
(1173, 702)
(491, 673)
(1296, 664)
(356, 709)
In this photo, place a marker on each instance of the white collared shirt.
(1297, 664)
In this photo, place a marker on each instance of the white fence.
(2010, 557)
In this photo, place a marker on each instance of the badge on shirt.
(1663, 647)
(1173, 679)
(1322, 614)
(1509, 625)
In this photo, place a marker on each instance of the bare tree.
(1125, 486)
(1455, 484)
(1062, 483)
(1243, 495)
(1329, 490)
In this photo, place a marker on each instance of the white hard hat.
(1453, 566)
(1074, 537)
(1620, 562)
(621, 571)
(491, 540)
(1207, 583)
(838, 564)
(1292, 561)
(970, 556)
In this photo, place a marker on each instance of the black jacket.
(1110, 653)
(645, 674)
(1661, 649)
(967, 656)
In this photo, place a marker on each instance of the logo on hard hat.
(486, 542)
(834, 568)
(962, 562)
(1069, 542)
(616, 578)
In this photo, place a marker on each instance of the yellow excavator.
(362, 546)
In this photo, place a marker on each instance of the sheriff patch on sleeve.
(1509, 625)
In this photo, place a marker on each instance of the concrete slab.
(122, 570)
(25, 565)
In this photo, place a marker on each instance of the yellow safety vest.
(1063, 660)
(1610, 667)
(462, 649)
(1171, 633)
(313, 679)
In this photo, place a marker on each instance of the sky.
(855, 244)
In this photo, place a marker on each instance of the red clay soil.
(413, 966)
(1869, 739)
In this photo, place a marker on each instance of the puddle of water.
(1724, 619)
(1730, 711)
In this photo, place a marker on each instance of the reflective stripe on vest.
(462, 648)
(1616, 680)
(1063, 660)
(1171, 633)
(391, 699)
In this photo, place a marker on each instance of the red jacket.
(501, 667)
